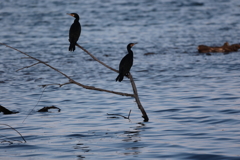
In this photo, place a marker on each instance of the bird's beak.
(70, 14)
(134, 44)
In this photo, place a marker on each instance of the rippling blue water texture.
(192, 100)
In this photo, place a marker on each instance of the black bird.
(74, 32)
(126, 63)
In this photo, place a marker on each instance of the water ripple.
(192, 99)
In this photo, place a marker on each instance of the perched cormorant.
(74, 32)
(126, 63)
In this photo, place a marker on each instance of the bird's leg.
(127, 74)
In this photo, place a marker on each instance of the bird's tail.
(71, 47)
(119, 77)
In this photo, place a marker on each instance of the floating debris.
(6, 111)
(45, 109)
(226, 48)
(106, 55)
(149, 53)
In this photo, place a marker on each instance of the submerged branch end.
(121, 115)
(144, 114)
(16, 131)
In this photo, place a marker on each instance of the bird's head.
(73, 15)
(130, 45)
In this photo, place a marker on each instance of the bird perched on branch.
(74, 32)
(126, 63)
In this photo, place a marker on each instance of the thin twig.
(15, 130)
(10, 140)
(34, 106)
(129, 113)
(28, 66)
(4, 140)
(120, 115)
(60, 85)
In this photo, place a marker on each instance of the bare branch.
(70, 79)
(144, 114)
(88, 87)
(97, 59)
(99, 89)
(25, 58)
(135, 95)
(36, 60)
(28, 66)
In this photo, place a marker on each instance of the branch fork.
(71, 81)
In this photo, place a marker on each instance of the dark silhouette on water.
(6, 111)
(74, 32)
(126, 63)
(45, 109)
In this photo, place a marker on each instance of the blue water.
(192, 100)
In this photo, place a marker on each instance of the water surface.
(192, 99)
